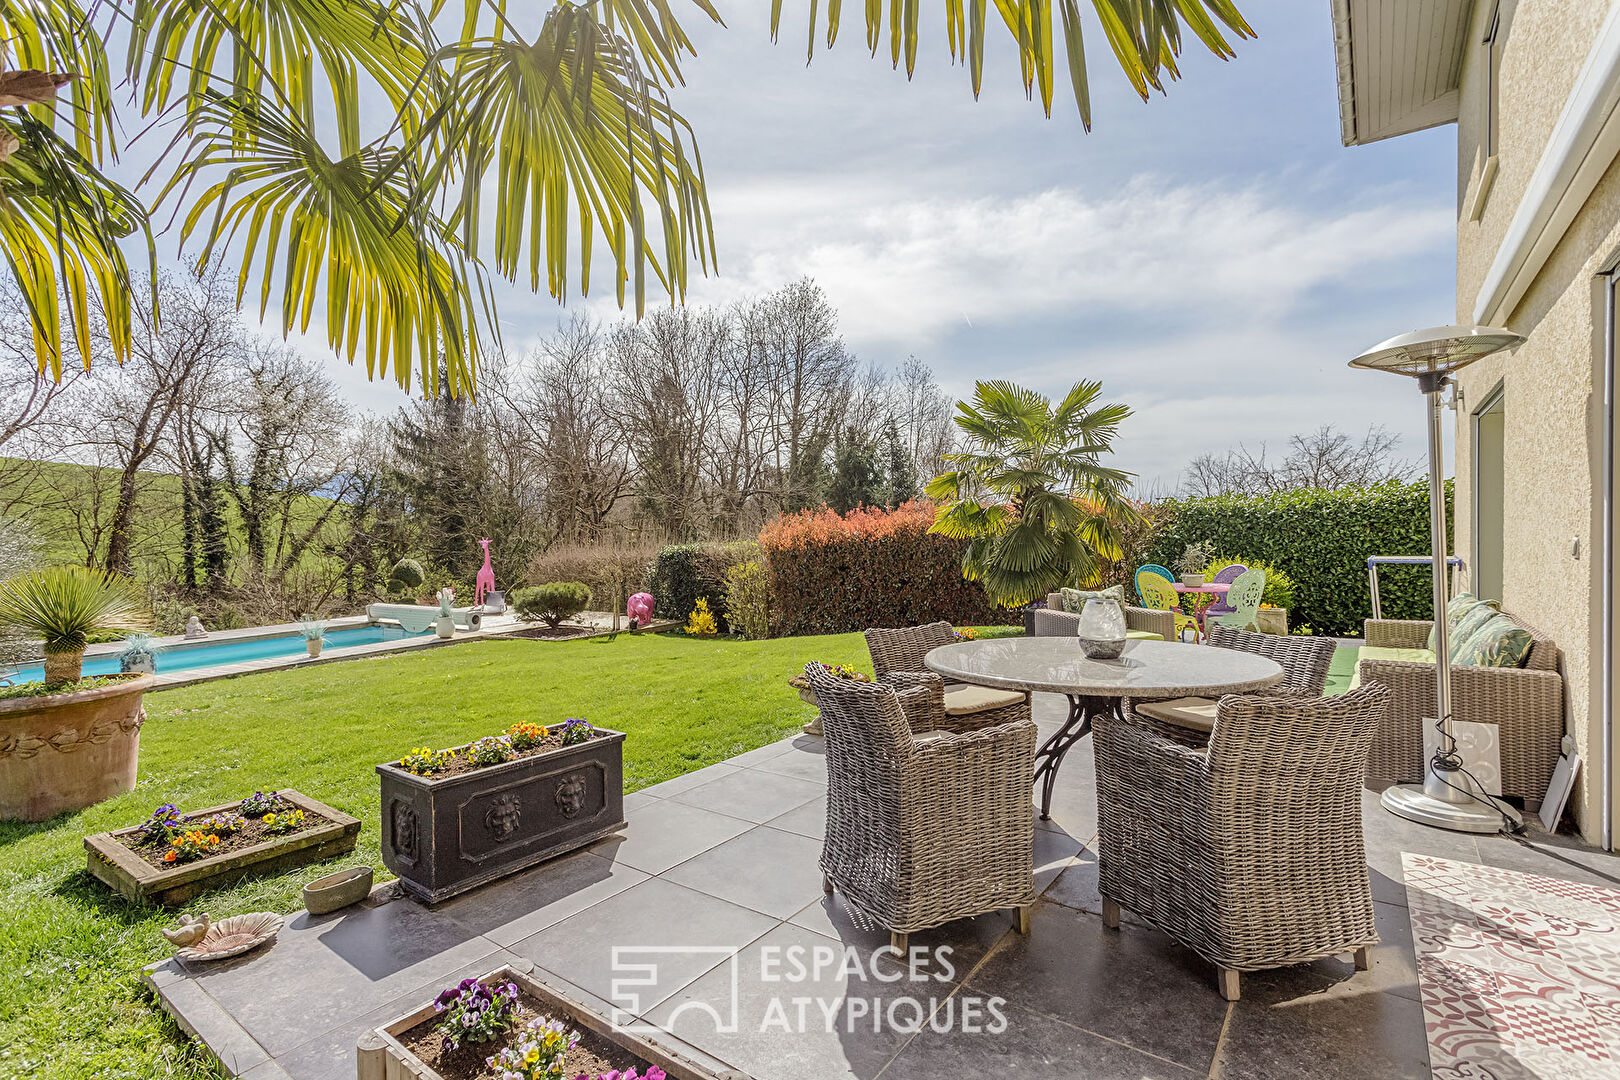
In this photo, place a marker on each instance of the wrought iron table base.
(1049, 758)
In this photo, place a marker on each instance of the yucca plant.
(1029, 493)
(65, 605)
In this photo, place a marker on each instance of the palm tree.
(558, 116)
(1028, 493)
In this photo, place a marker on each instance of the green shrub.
(748, 598)
(684, 573)
(1321, 540)
(407, 575)
(552, 602)
(1280, 588)
(613, 573)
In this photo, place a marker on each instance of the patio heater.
(1448, 797)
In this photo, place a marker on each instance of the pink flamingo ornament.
(640, 610)
(486, 576)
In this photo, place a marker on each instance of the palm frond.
(59, 36)
(61, 222)
(1144, 35)
(395, 286)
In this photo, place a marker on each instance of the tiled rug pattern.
(1520, 973)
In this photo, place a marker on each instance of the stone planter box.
(1272, 620)
(68, 751)
(132, 876)
(381, 1056)
(445, 835)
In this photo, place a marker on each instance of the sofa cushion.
(1074, 600)
(1465, 613)
(1193, 713)
(1498, 642)
(1142, 635)
(977, 699)
(1375, 652)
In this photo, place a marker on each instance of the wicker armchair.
(1526, 704)
(1248, 852)
(1053, 621)
(897, 659)
(923, 825)
(1304, 660)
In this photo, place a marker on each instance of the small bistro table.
(1147, 671)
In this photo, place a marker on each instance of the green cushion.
(1374, 652)
(1498, 642)
(1465, 613)
(1074, 600)
(1142, 635)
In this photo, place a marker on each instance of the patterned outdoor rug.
(1520, 973)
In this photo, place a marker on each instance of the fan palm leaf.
(1028, 492)
(1144, 35)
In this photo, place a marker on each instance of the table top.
(1220, 588)
(1147, 670)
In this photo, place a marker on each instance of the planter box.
(132, 876)
(381, 1056)
(68, 751)
(445, 835)
(1272, 620)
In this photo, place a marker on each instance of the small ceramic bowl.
(339, 890)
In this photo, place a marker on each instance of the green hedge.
(681, 573)
(1322, 540)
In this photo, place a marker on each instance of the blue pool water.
(207, 654)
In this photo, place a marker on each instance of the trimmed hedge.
(682, 573)
(832, 574)
(1321, 539)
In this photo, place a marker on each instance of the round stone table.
(1146, 671)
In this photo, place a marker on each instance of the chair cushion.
(1377, 652)
(1194, 713)
(1142, 635)
(1074, 600)
(977, 699)
(1497, 642)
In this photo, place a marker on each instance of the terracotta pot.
(68, 751)
(313, 646)
(62, 667)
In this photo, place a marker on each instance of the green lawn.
(71, 1002)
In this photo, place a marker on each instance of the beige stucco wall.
(1552, 382)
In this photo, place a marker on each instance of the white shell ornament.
(234, 936)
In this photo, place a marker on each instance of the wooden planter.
(132, 876)
(381, 1056)
(445, 835)
(68, 751)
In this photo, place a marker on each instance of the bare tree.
(26, 435)
(1325, 458)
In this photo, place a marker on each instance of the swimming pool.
(207, 654)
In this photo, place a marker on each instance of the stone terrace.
(726, 858)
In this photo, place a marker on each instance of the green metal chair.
(1159, 593)
(1244, 598)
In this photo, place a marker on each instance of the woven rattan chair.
(1304, 660)
(1053, 621)
(897, 659)
(1249, 852)
(923, 825)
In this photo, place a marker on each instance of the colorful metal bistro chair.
(1159, 592)
(1244, 597)
(1225, 576)
(1151, 568)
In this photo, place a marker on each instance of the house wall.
(1551, 537)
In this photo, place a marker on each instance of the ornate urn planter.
(68, 751)
(446, 834)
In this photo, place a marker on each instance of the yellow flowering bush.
(701, 622)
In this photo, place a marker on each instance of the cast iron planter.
(445, 835)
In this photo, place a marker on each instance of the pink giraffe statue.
(486, 577)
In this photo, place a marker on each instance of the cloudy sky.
(1214, 256)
